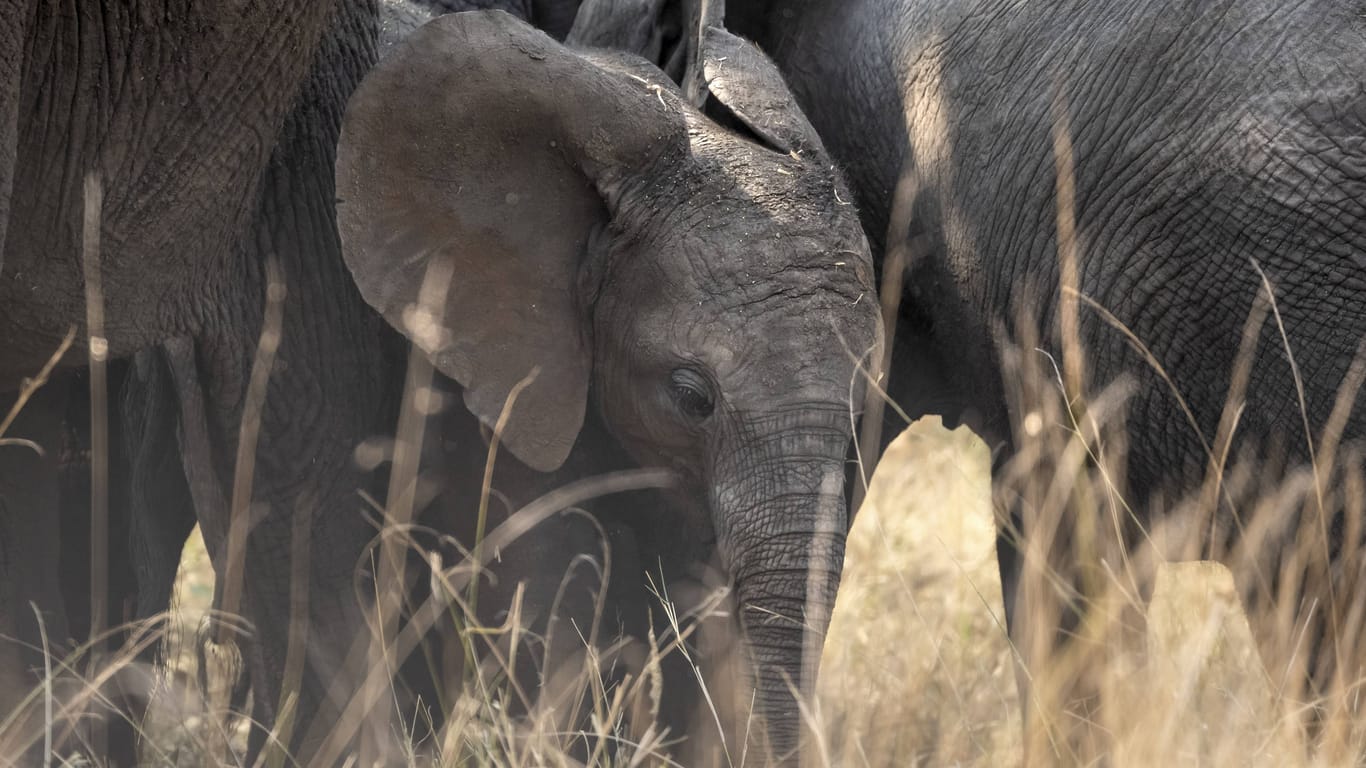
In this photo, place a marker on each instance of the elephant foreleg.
(1065, 619)
(49, 564)
(204, 490)
(161, 509)
(152, 515)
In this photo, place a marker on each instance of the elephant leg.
(1063, 619)
(563, 580)
(1038, 622)
(307, 544)
(119, 589)
(161, 508)
(222, 642)
(558, 568)
(1010, 564)
(708, 692)
(127, 579)
(221, 638)
(155, 517)
(31, 601)
(555, 577)
(287, 595)
(689, 706)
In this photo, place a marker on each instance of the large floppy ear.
(748, 83)
(473, 167)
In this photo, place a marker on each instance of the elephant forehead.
(800, 360)
(743, 260)
(795, 294)
(780, 340)
(748, 209)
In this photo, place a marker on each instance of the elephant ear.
(470, 178)
(743, 79)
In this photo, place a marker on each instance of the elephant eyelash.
(692, 393)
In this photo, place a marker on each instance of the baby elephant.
(639, 284)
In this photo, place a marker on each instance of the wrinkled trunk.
(781, 525)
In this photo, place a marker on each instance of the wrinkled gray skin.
(212, 163)
(1206, 139)
(684, 292)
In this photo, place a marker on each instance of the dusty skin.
(917, 669)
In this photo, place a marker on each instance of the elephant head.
(704, 286)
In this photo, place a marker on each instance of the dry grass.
(918, 669)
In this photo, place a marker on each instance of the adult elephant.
(649, 289)
(1196, 158)
(200, 167)
(196, 167)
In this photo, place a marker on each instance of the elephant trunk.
(781, 532)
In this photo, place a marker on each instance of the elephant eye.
(691, 393)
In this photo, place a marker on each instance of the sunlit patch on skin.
(928, 108)
(927, 115)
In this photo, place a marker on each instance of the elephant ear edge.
(748, 84)
(465, 226)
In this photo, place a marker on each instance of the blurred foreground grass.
(917, 668)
